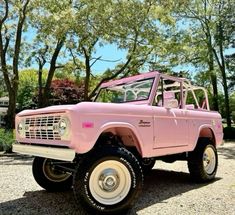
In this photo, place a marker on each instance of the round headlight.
(20, 128)
(62, 126)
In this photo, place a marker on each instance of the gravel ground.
(167, 190)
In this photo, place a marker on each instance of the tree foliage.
(28, 88)
(12, 23)
(65, 92)
(204, 30)
(60, 39)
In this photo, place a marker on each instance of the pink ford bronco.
(102, 148)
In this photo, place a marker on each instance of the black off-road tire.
(108, 164)
(48, 178)
(203, 161)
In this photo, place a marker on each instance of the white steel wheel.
(52, 174)
(110, 182)
(209, 160)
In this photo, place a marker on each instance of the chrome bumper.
(45, 151)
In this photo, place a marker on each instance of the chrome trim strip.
(64, 154)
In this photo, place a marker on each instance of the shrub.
(6, 140)
(65, 92)
(229, 133)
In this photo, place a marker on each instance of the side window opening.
(168, 94)
(196, 100)
(180, 94)
(195, 97)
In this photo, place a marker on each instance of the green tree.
(71, 70)
(131, 25)
(212, 23)
(51, 22)
(230, 62)
(224, 36)
(28, 88)
(12, 23)
(192, 42)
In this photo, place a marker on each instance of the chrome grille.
(42, 127)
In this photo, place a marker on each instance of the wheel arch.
(127, 132)
(206, 131)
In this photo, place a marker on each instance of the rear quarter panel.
(200, 119)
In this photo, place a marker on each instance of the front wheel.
(203, 162)
(50, 178)
(107, 181)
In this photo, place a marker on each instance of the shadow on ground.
(227, 151)
(15, 159)
(160, 185)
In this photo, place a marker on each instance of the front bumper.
(64, 154)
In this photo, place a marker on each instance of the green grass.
(6, 139)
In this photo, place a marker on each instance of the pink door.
(170, 127)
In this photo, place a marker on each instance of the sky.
(110, 53)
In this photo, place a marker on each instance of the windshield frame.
(139, 101)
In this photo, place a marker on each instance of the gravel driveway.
(167, 190)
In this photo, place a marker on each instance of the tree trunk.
(215, 103)
(221, 63)
(46, 91)
(40, 101)
(224, 76)
(212, 73)
(226, 100)
(226, 96)
(213, 78)
(88, 74)
(12, 84)
(10, 118)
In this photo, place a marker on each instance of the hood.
(50, 109)
(85, 107)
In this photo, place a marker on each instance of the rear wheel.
(203, 161)
(48, 177)
(108, 180)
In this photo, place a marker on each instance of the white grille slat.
(42, 127)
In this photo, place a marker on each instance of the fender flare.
(205, 126)
(111, 125)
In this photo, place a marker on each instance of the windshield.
(127, 92)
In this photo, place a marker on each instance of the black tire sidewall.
(44, 181)
(195, 162)
(82, 177)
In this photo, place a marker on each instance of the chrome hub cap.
(110, 182)
(209, 160)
